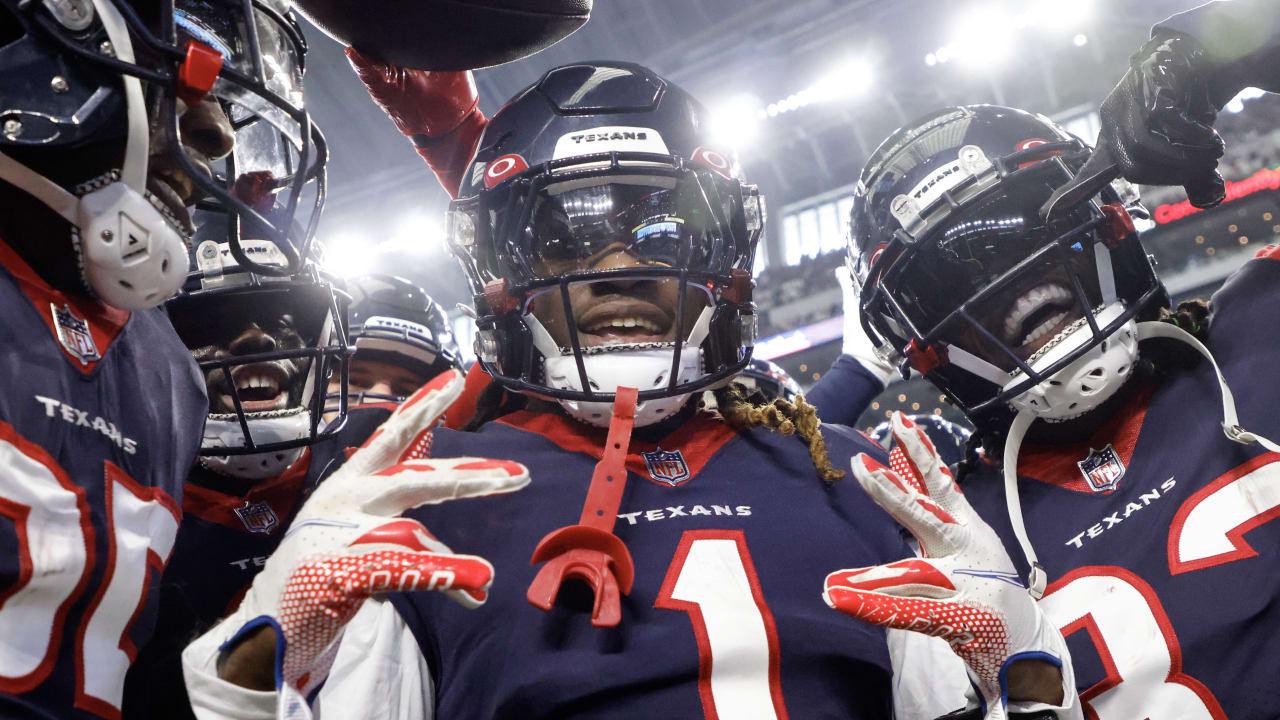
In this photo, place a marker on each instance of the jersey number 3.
(1120, 611)
(56, 542)
(712, 579)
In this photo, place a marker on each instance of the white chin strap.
(131, 256)
(1090, 379)
(223, 430)
(644, 366)
(1013, 443)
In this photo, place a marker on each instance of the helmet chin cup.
(132, 257)
(223, 430)
(642, 367)
(1089, 380)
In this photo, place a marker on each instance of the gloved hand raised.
(964, 590)
(347, 543)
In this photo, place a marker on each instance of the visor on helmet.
(1022, 278)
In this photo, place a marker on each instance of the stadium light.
(1080, 40)
(1236, 104)
(735, 121)
(349, 255)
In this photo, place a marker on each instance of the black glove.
(1157, 128)
(1158, 122)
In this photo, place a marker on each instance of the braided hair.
(741, 411)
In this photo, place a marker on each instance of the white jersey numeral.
(1210, 526)
(1135, 640)
(51, 519)
(54, 526)
(142, 526)
(712, 579)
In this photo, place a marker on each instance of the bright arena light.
(1080, 40)
(849, 79)
(415, 233)
(1236, 104)
(349, 255)
(735, 121)
(983, 38)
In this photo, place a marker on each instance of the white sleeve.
(929, 680)
(378, 673)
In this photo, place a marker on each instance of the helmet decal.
(610, 138)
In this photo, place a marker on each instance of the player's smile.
(262, 386)
(618, 318)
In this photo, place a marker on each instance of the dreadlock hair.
(1158, 357)
(741, 411)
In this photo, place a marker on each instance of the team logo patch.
(73, 333)
(1102, 469)
(667, 467)
(257, 517)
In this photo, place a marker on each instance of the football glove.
(856, 344)
(964, 589)
(346, 543)
(437, 111)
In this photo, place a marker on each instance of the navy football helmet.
(949, 438)
(392, 320)
(770, 379)
(961, 279)
(87, 141)
(599, 181)
(268, 347)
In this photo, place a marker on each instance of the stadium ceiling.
(821, 81)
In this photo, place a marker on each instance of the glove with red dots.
(964, 589)
(346, 543)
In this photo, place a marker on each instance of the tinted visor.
(660, 224)
(1015, 278)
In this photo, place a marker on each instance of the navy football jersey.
(224, 541)
(731, 534)
(101, 413)
(1158, 533)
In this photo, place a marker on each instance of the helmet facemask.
(266, 348)
(998, 307)
(617, 270)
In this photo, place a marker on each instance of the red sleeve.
(464, 407)
(449, 154)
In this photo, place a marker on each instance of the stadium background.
(804, 89)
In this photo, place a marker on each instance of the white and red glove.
(346, 543)
(856, 344)
(964, 590)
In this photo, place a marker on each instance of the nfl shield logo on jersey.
(73, 333)
(257, 517)
(666, 467)
(1102, 469)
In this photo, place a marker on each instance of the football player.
(118, 115)
(997, 258)
(402, 340)
(608, 245)
(266, 347)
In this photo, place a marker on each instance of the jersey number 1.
(712, 579)
(56, 542)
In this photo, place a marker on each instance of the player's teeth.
(1044, 327)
